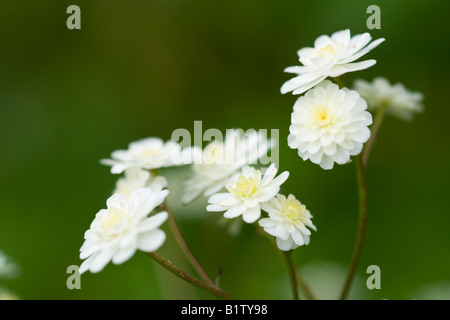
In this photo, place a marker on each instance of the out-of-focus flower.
(222, 159)
(124, 227)
(149, 153)
(5, 294)
(246, 193)
(329, 125)
(398, 100)
(331, 57)
(8, 268)
(136, 178)
(287, 221)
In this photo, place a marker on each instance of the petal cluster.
(136, 178)
(329, 125)
(124, 227)
(398, 100)
(246, 192)
(288, 221)
(330, 57)
(222, 159)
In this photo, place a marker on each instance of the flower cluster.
(133, 216)
(222, 159)
(250, 192)
(329, 124)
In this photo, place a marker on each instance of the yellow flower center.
(327, 51)
(245, 187)
(294, 210)
(110, 221)
(148, 153)
(322, 116)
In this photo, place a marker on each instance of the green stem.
(183, 275)
(362, 192)
(292, 273)
(298, 276)
(184, 247)
(378, 120)
(304, 286)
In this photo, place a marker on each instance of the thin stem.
(292, 274)
(303, 285)
(184, 247)
(183, 275)
(362, 192)
(379, 116)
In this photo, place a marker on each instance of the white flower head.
(149, 153)
(222, 159)
(399, 101)
(136, 178)
(246, 192)
(331, 57)
(287, 221)
(8, 267)
(124, 227)
(329, 125)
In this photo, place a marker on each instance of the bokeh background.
(142, 68)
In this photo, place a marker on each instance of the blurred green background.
(142, 68)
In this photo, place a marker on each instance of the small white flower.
(329, 125)
(149, 153)
(398, 100)
(222, 159)
(331, 57)
(136, 178)
(287, 221)
(246, 193)
(8, 268)
(124, 227)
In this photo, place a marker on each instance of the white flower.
(222, 159)
(287, 221)
(149, 153)
(8, 268)
(246, 193)
(121, 229)
(136, 178)
(398, 100)
(331, 57)
(329, 125)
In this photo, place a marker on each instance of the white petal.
(285, 245)
(279, 180)
(151, 240)
(298, 238)
(153, 222)
(124, 254)
(101, 259)
(218, 197)
(363, 51)
(234, 211)
(215, 208)
(252, 214)
(266, 223)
